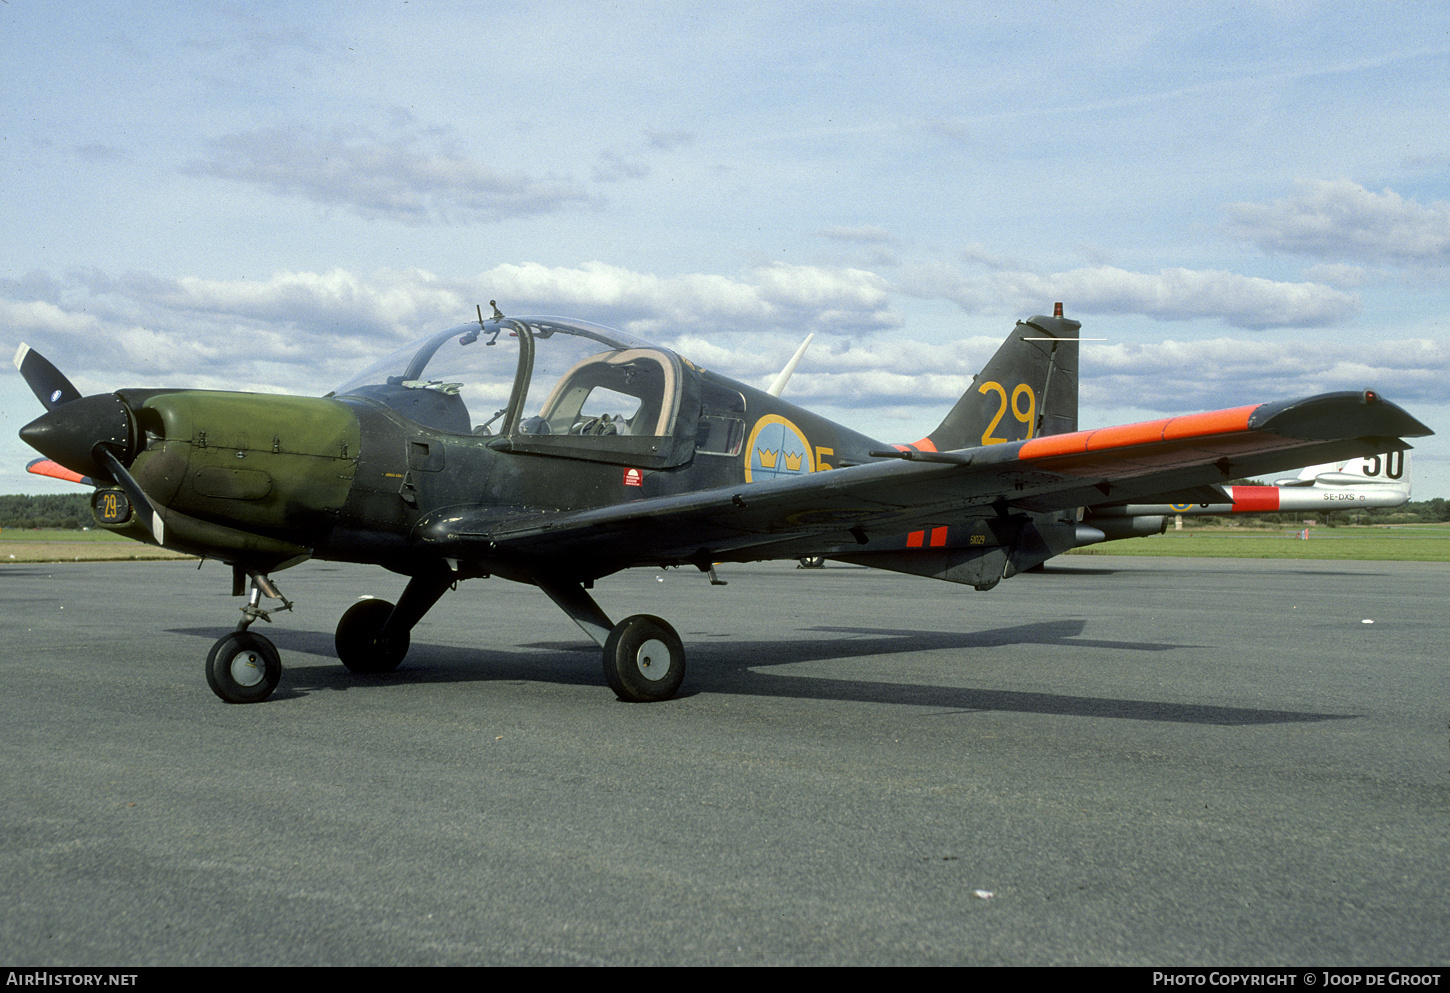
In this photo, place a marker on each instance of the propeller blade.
(53, 469)
(149, 513)
(46, 381)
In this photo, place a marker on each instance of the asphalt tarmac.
(1117, 761)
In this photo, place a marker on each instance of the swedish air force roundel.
(777, 448)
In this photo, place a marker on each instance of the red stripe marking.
(1247, 499)
(914, 539)
(1055, 444)
(938, 537)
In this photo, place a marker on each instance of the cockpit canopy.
(546, 385)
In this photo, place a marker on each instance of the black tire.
(644, 659)
(243, 668)
(357, 642)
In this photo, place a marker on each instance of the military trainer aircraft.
(555, 452)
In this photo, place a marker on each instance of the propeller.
(46, 381)
(146, 509)
(74, 433)
(92, 436)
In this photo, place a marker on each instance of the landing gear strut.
(644, 660)
(373, 635)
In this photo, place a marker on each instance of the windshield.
(528, 376)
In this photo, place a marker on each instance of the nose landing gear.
(244, 667)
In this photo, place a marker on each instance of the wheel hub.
(247, 669)
(653, 660)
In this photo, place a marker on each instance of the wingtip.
(1325, 415)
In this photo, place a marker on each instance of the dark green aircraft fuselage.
(402, 466)
(264, 479)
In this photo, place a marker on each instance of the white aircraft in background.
(1377, 481)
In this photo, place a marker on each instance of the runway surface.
(1117, 761)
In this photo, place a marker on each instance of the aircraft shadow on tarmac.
(1046, 573)
(731, 667)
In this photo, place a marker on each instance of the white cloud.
(1338, 274)
(389, 179)
(44, 317)
(865, 234)
(1339, 220)
(310, 329)
(1180, 375)
(790, 298)
(1168, 295)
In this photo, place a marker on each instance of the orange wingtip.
(48, 467)
(1216, 422)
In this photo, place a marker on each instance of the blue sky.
(1248, 201)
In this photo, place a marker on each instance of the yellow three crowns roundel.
(777, 448)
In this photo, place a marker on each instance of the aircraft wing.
(846, 507)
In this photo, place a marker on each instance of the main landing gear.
(644, 659)
(373, 635)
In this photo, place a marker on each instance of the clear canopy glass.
(529, 376)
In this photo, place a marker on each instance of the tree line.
(71, 511)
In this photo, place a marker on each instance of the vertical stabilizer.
(1028, 389)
